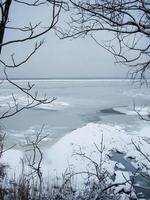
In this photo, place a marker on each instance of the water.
(78, 103)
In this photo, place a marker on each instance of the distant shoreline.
(78, 79)
(71, 78)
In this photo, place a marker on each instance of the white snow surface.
(55, 105)
(63, 153)
(85, 139)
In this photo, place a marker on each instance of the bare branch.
(28, 33)
(129, 23)
(14, 64)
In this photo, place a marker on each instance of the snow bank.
(61, 155)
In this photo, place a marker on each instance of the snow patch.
(55, 105)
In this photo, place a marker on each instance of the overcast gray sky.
(60, 58)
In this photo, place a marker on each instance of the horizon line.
(73, 78)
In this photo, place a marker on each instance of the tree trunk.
(4, 18)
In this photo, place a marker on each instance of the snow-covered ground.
(63, 153)
(88, 141)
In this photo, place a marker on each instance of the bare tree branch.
(28, 33)
(127, 21)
